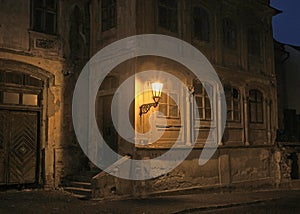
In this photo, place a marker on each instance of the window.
(15, 78)
(17, 98)
(108, 14)
(110, 82)
(200, 24)
(11, 98)
(229, 34)
(44, 15)
(202, 104)
(167, 15)
(253, 42)
(233, 103)
(30, 99)
(168, 106)
(255, 106)
(23, 89)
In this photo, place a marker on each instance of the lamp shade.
(156, 90)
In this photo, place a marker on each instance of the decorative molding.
(45, 43)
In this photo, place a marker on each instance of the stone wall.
(229, 168)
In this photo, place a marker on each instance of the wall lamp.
(156, 95)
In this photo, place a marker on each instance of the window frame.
(111, 17)
(234, 104)
(44, 9)
(229, 34)
(169, 18)
(20, 85)
(203, 17)
(203, 95)
(169, 104)
(253, 42)
(256, 104)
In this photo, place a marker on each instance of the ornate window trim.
(44, 44)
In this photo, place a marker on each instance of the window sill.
(234, 124)
(231, 145)
(167, 32)
(108, 33)
(257, 126)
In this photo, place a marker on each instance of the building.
(287, 72)
(45, 44)
(37, 54)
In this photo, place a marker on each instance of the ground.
(41, 201)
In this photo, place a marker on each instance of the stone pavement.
(41, 201)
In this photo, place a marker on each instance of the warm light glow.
(156, 90)
(156, 93)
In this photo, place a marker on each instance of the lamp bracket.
(146, 107)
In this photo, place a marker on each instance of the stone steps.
(84, 185)
(80, 192)
(80, 185)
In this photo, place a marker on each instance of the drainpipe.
(246, 122)
(268, 102)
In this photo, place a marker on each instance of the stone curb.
(225, 205)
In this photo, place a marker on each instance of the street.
(41, 201)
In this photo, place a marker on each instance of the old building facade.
(37, 55)
(287, 66)
(45, 44)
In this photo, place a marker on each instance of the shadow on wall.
(293, 162)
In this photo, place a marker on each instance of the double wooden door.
(18, 147)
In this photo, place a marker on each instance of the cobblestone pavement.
(41, 201)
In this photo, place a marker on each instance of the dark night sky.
(286, 26)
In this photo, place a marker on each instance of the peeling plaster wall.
(230, 168)
(14, 27)
(226, 167)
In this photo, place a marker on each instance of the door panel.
(23, 147)
(20, 143)
(3, 136)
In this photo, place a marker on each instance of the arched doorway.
(20, 118)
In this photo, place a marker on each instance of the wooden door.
(106, 125)
(18, 147)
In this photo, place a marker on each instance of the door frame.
(38, 109)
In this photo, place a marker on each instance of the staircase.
(80, 185)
